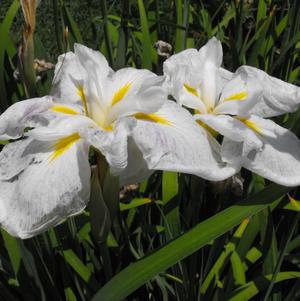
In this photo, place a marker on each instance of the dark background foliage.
(251, 250)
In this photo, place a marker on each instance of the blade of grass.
(169, 193)
(238, 269)
(179, 36)
(13, 250)
(73, 25)
(146, 39)
(106, 34)
(252, 288)
(78, 266)
(4, 36)
(282, 254)
(145, 269)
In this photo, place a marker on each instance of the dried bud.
(41, 66)
(163, 48)
(233, 185)
(128, 191)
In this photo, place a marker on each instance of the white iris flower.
(125, 115)
(235, 105)
(164, 136)
(46, 177)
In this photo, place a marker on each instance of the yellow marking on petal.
(81, 94)
(108, 128)
(238, 96)
(152, 118)
(210, 110)
(250, 124)
(208, 128)
(63, 109)
(191, 90)
(63, 145)
(120, 94)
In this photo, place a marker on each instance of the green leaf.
(13, 250)
(293, 205)
(145, 269)
(4, 38)
(135, 203)
(70, 296)
(99, 214)
(252, 288)
(169, 194)
(221, 261)
(73, 25)
(111, 241)
(179, 38)
(146, 39)
(238, 269)
(78, 266)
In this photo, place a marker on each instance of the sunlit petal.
(234, 129)
(21, 115)
(43, 192)
(112, 144)
(68, 79)
(279, 158)
(180, 145)
(133, 91)
(279, 97)
(239, 95)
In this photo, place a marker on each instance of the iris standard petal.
(96, 58)
(133, 91)
(68, 79)
(188, 57)
(239, 95)
(212, 52)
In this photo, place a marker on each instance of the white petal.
(232, 128)
(189, 57)
(182, 145)
(279, 158)
(96, 86)
(184, 86)
(68, 78)
(133, 91)
(45, 192)
(9, 166)
(61, 127)
(112, 144)
(239, 95)
(21, 115)
(137, 169)
(211, 55)
(199, 73)
(91, 58)
(279, 97)
(212, 52)
(225, 75)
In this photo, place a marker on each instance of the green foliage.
(175, 237)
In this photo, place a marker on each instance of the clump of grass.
(174, 237)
